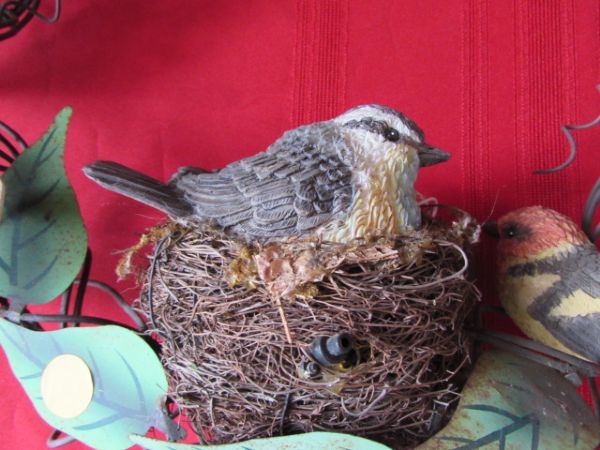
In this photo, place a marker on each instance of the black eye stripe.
(372, 125)
(381, 128)
(515, 231)
(411, 125)
(378, 127)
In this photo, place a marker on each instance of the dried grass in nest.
(237, 322)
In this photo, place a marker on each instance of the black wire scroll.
(593, 200)
(12, 142)
(566, 129)
(15, 14)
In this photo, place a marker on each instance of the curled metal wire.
(15, 14)
(566, 129)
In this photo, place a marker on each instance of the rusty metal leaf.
(511, 402)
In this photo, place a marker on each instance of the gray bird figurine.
(349, 177)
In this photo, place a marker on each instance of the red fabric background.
(157, 85)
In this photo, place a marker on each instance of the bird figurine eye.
(510, 231)
(391, 134)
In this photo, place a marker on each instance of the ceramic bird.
(341, 179)
(549, 279)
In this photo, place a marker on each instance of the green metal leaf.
(306, 441)
(511, 402)
(42, 238)
(129, 380)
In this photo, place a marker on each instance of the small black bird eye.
(391, 134)
(510, 231)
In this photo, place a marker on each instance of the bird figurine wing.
(298, 184)
(570, 308)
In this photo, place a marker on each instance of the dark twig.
(151, 271)
(64, 303)
(284, 412)
(82, 285)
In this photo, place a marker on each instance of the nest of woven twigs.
(237, 322)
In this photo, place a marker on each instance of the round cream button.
(67, 386)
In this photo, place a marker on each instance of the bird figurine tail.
(140, 187)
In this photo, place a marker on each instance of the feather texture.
(138, 186)
(295, 186)
(570, 308)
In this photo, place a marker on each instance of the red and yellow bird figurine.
(549, 278)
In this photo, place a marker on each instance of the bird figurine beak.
(491, 229)
(428, 155)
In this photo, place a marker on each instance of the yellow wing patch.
(517, 294)
(577, 304)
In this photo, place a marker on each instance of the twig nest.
(246, 328)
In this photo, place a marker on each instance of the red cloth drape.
(157, 85)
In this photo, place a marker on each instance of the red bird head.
(533, 232)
